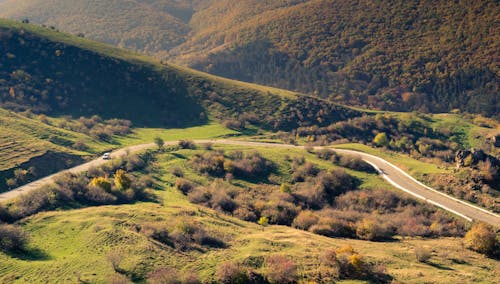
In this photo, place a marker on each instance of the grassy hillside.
(101, 244)
(396, 55)
(40, 149)
(57, 74)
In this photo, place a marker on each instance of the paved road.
(389, 172)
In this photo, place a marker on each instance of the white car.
(106, 156)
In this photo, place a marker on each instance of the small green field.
(212, 130)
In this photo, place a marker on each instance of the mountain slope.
(401, 55)
(398, 55)
(150, 26)
(58, 74)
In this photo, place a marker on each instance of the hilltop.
(393, 55)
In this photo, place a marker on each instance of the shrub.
(370, 229)
(29, 204)
(422, 254)
(159, 143)
(356, 163)
(188, 232)
(187, 144)
(122, 181)
(101, 182)
(80, 145)
(222, 201)
(184, 185)
(200, 195)
(211, 163)
(381, 139)
(234, 124)
(481, 238)
(144, 181)
(12, 238)
(97, 195)
(280, 212)
(177, 172)
(305, 220)
(252, 165)
(263, 221)
(158, 232)
(286, 188)
(164, 275)
(281, 269)
(245, 214)
(306, 170)
(118, 279)
(326, 154)
(333, 227)
(232, 273)
(190, 278)
(4, 214)
(134, 163)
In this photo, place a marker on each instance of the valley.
(213, 180)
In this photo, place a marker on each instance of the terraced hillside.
(29, 143)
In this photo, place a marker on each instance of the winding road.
(389, 172)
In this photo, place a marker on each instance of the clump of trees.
(245, 166)
(345, 161)
(324, 202)
(95, 126)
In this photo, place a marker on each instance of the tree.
(159, 142)
(122, 181)
(101, 182)
(263, 221)
(381, 139)
(481, 238)
(12, 238)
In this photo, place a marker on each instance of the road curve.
(389, 172)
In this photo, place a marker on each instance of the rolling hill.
(45, 72)
(57, 74)
(395, 55)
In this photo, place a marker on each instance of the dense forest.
(430, 56)
(397, 55)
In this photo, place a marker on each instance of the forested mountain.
(149, 26)
(399, 55)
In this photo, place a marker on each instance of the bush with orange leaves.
(481, 238)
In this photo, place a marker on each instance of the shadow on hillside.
(69, 80)
(30, 254)
(439, 266)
